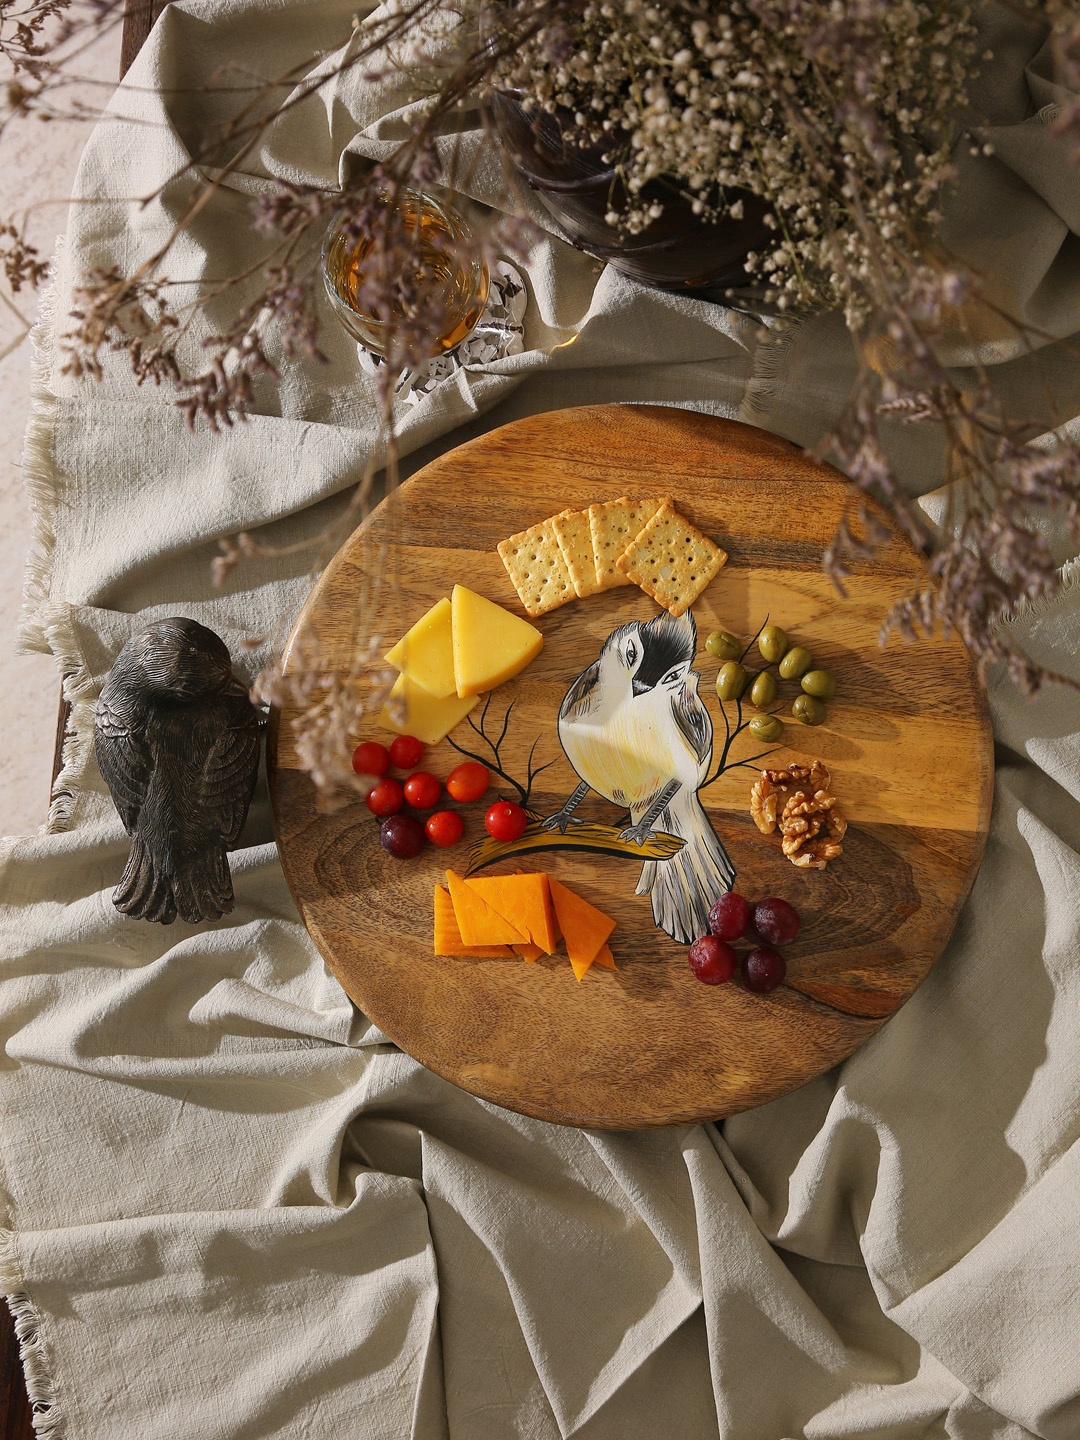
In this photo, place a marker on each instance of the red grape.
(467, 781)
(405, 751)
(729, 917)
(713, 961)
(505, 820)
(763, 970)
(385, 798)
(402, 836)
(371, 758)
(422, 790)
(444, 828)
(776, 921)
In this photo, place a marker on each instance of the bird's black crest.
(667, 642)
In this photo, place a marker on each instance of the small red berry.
(406, 751)
(729, 917)
(713, 961)
(444, 828)
(371, 758)
(763, 970)
(776, 921)
(505, 821)
(385, 798)
(422, 790)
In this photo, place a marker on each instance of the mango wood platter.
(907, 740)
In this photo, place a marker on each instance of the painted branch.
(601, 839)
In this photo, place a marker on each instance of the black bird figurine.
(177, 741)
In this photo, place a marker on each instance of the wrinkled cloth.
(232, 1210)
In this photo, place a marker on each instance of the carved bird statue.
(636, 731)
(177, 742)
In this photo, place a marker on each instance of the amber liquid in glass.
(457, 287)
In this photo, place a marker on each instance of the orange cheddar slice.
(477, 922)
(527, 951)
(605, 958)
(525, 900)
(448, 939)
(580, 967)
(585, 928)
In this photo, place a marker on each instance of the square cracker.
(536, 568)
(612, 526)
(671, 560)
(573, 532)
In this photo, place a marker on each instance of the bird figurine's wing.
(226, 780)
(124, 759)
(693, 720)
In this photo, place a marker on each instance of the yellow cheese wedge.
(490, 644)
(426, 652)
(423, 714)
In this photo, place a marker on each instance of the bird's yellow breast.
(628, 759)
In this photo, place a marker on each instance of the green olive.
(766, 727)
(772, 642)
(809, 709)
(820, 683)
(795, 663)
(723, 645)
(763, 690)
(731, 681)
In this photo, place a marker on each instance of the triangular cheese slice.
(421, 713)
(580, 967)
(478, 923)
(490, 644)
(585, 928)
(603, 957)
(448, 939)
(525, 901)
(426, 652)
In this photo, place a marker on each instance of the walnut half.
(811, 825)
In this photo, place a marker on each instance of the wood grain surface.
(907, 739)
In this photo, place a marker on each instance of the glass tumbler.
(413, 286)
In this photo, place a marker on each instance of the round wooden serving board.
(907, 740)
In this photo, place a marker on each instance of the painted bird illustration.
(636, 731)
(177, 742)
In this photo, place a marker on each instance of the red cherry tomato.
(467, 781)
(444, 828)
(505, 820)
(422, 790)
(371, 758)
(405, 752)
(385, 798)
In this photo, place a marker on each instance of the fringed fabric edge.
(34, 1354)
(769, 358)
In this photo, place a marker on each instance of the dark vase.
(679, 251)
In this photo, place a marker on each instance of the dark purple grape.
(763, 970)
(711, 960)
(729, 917)
(776, 921)
(402, 835)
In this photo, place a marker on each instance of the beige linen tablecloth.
(232, 1209)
